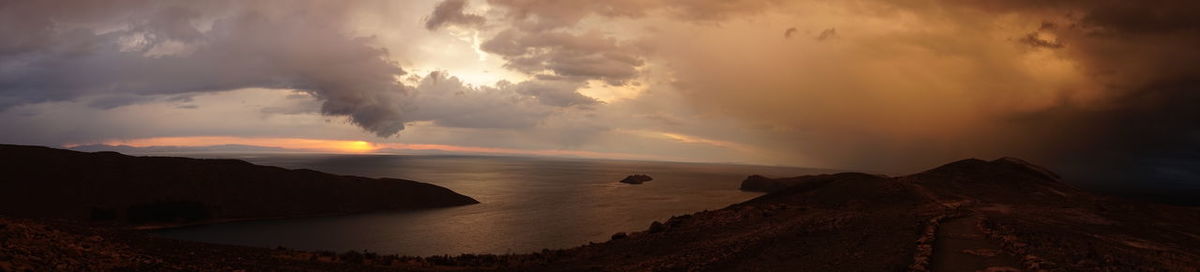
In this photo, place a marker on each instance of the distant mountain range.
(180, 149)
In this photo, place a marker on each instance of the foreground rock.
(970, 215)
(109, 186)
(636, 179)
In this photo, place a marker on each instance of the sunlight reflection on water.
(527, 204)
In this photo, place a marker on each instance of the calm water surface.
(527, 204)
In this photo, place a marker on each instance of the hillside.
(109, 186)
(970, 215)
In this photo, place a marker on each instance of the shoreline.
(1016, 217)
(157, 227)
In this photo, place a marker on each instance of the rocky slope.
(970, 215)
(108, 186)
(757, 183)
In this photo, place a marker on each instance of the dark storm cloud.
(450, 12)
(543, 15)
(556, 93)
(447, 101)
(1106, 87)
(117, 100)
(1034, 39)
(1147, 123)
(714, 10)
(1149, 16)
(1143, 124)
(561, 62)
(53, 53)
(583, 57)
(535, 43)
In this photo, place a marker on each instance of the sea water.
(526, 204)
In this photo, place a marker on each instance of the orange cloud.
(689, 139)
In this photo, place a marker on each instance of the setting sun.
(356, 146)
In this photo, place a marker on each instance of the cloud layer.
(898, 85)
(1102, 89)
(146, 48)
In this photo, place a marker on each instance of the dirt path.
(961, 246)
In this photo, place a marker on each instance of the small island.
(636, 179)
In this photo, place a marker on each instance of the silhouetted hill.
(180, 149)
(970, 215)
(757, 183)
(104, 186)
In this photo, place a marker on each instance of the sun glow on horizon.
(301, 144)
(357, 147)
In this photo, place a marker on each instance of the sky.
(1100, 89)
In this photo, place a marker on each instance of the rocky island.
(637, 179)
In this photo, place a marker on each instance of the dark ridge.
(109, 186)
(999, 180)
(757, 183)
(1005, 165)
(1019, 163)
